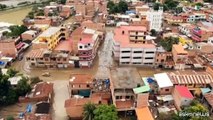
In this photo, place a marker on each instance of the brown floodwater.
(14, 16)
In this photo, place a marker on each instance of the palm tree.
(88, 111)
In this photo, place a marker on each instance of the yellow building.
(50, 38)
(184, 40)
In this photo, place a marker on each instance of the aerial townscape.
(106, 59)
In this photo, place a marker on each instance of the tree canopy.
(194, 111)
(3, 6)
(168, 42)
(101, 112)
(88, 111)
(8, 93)
(23, 87)
(16, 30)
(105, 112)
(120, 7)
(168, 5)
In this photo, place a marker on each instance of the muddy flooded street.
(14, 16)
(100, 67)
(60, 95)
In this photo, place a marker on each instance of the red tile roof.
(184, 92)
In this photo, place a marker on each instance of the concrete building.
(131, 46)
(155, 18)
(182, 96)
(191, 79)
(85, 43)
(83, 89)
(42, 91)
(164, 83)
(123, 81)
(49, 59)
(29, 35)
(50, 38)
(179, 56)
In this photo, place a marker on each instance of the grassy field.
(14, 16)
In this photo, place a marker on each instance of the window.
(87, 86)
(80, 47)
(148, 58)
(166, 90)
(88, 44)
(136, 63)
(117, 97)
(151, 52)
(125, 51)
(137, 52)
(157, 60)
(137, 57)
(162, 60)
(64, 59)
(148, 63)
(136, 37)
(127, 97)
(125, 57)
(85, 46)
(136, 33)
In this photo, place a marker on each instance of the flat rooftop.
(49, 32)
(126, 78)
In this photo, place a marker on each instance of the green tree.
(105, 112)
(10, 118)
(7, 93)
(122, 6)
(63, 2)
(199, 4)
(209, 1)
(16, 30)
(40, 13)
(88, 113)
(153, 32)
(156, 6)
(31, 15)
(23, 87)
(110, 4)
(171, 4)
(196, 108)
(3, 6)
(179, 10)
(168, 42)
(11, 72)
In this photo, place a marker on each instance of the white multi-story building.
(155, 18)
(130, 46)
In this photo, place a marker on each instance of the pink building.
(132, 46)
(87, 47)
(202, 32)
